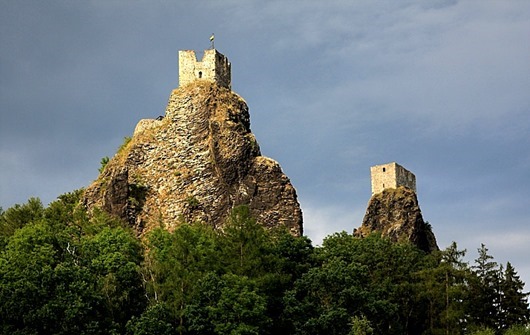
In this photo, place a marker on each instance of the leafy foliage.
(63, 274)
(63, 271)
(229, 304)
(18, 216)
(104, 161)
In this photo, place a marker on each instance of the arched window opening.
(200, 74)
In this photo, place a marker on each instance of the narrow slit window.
(200, 74)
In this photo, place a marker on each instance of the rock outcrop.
(195, 164)
(395, 213)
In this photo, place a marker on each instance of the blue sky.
(333, 87)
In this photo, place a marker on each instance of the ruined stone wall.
(213, 67)
(405, 178)
(391, 175)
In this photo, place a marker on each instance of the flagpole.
(212, 40)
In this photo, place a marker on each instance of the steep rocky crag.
(195, 164)
(395, 213)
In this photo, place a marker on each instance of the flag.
(212, 37)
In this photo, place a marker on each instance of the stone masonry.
(393, 210)
(213, 67)
(391, 175)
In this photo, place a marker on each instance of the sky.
(333, 87)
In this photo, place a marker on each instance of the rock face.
(395, 213)
(195, 164)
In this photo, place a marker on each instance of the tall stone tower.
(213, 67)
(393, 210)
(391, 175)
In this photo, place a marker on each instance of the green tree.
(371, 277)
(114, 257)
(246, 245)
(42, 289)
(444, 285)
(325, 298)
(294, 256)
(484, 301)
(156, 319)
(361, 326)
(229, 304)
(514, 302)
(58, 275)
(176, 262)
(18, 216)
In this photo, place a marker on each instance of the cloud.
(321, 220)
(506, 243)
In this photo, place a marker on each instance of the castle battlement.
(391, 175)
(213, 67)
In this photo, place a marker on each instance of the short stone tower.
(213, 67)
(391, 175)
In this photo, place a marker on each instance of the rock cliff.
(395, 213)
(195, 164)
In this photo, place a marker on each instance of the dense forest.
(65, 272)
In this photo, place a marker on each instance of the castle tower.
(213, 67)
(391, 175)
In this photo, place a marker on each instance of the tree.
(156, 319)
(42, 290)
(68, 217)
(245, 245)
(444, 285)
(114, 258)
(56, 278)
(176, 262)
(484, 307)
(369, 278)
(514, 303)
(325, 298)
(361, 326)
(229, 304)
(293, 257)
(18, 216)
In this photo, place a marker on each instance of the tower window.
(200, 74)
(384, 169)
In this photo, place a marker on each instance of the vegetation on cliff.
(64, 272)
